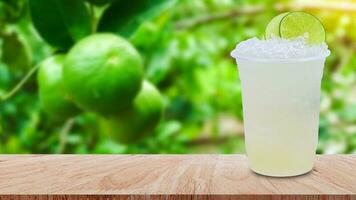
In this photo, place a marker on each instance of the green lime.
(272, 29)
(103, 73)
(296, 24)
(52, 95)
(290, 25)
(139, 120)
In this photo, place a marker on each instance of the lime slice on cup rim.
(295, 24)
(272, 29)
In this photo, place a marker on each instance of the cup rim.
(281, 60)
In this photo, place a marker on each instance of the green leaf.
(124, 17)
(99, 2)
(11, 11)
(61, 22)
(15, 52)
(108, 147)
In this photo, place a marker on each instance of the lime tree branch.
(248, 10)
(252, 10)
(20, 84)
(226, 123)
(212, 141)
(318, 5)
(64, 133)
(93, 18)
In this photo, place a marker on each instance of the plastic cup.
(281, 113)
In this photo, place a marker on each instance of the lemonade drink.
(280, 91)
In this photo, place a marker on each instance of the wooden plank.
(177, 197)
(167, 177)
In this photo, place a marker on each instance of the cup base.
(273, 174)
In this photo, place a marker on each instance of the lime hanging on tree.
(139, 120)
(103, 73)
(53, 98)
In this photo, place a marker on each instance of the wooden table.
(167, 177)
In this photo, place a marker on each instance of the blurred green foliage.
(186, 53)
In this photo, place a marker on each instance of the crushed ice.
(277, 48)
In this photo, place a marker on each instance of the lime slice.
(296, 24)
(272, 29)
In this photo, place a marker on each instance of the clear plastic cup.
(281, 113)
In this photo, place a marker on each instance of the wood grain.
(167, 177)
